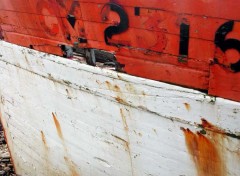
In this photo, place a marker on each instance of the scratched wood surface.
(149, 46)
(66, 118)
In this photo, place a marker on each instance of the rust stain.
(46, 153)
(71, 166)
(121, 139)
(208, 126)
(120, 100)
(124, 119)
(109, 85)
(127, 142)
(43, 139)
(58, 126)
(130, 88)
(119, 77)
(205, 154)
(119, 95)
(187, 106)
(115, 88)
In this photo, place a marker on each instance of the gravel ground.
(6, 166)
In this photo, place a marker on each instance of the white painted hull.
(66, 118)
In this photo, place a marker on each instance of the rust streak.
(125, 125)
(71, 166)
(124, 119)
(70, 163)
(109, 85)
(43, 138)
(205, 154)
(46, 153)
(208, 126)
(115, 88)
(120, 100)
(126, 143)
(130, 88)
(119, 94)
(58, 126)
(187, 106)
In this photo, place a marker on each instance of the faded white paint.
(111, 123)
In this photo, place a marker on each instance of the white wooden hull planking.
(62, 117)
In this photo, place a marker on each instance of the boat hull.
(193, 44)
(62, 117)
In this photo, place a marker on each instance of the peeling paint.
(103, 162)
(155, 120)
(68, 94)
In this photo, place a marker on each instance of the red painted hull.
(190, 43)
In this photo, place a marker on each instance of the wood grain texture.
(151, 40)
(66, 118)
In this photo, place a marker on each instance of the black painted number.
(225, 44)
(121, 27)
(184, 40)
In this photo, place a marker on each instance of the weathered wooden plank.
(41, 44)
(212, 9)
(40, 7)
(224, 82)
(159, 71)
(155, 25)
(201, 27)
(84, 120)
